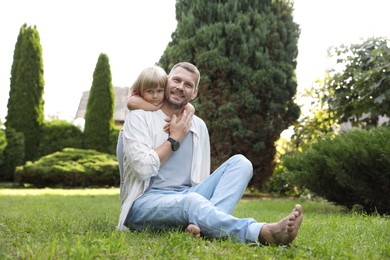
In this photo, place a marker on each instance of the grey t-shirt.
(175, 173)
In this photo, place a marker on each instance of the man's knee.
(194, 199)
(244, 164)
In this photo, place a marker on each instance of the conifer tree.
(246, 52)
(25, 104)
(99, 117)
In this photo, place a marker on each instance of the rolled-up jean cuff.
(252, 234)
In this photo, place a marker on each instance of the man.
(167, 183)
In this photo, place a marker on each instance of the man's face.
(180, 88)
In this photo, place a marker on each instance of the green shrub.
(59, 134)
(99, 116)
(13, 154)
(279, 185)
(114, 139)
(71, 168)
(350, 169)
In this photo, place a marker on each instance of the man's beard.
(175, 105)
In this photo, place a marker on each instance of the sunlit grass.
(46, 224)
(63, 192)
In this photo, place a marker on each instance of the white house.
(120, 104)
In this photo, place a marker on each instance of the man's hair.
(151, 77)
(189, 67)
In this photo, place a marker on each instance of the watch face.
(175, 146)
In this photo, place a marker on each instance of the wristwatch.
(175, 145)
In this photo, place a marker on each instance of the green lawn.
(80, 224)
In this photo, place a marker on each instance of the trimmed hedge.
(13, 154)
(71, 167)
(57, 135)
(350, 169)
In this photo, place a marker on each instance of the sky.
(135, 33)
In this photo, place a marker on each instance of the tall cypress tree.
(25, 103)
(246, 52)
(99, 117)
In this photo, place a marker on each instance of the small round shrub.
(71, 167)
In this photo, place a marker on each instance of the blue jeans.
(119, 156)
(208, 205)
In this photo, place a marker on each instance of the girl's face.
(154, 96)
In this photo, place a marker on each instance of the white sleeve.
(139, 155)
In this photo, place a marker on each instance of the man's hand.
(178, 127)
(166, 126)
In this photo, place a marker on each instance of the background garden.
(337, 162)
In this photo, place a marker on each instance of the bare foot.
(284, 231)
(193, 230)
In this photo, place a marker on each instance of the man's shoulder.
(199, 121)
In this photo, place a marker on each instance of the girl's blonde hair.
(150, 77)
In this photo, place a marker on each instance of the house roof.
(120, 103)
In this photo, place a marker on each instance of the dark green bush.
(349, 169)
(71, 168)
(57, 135)
(279, 184)
(99, 116)
(114, 139)
(13, 154)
